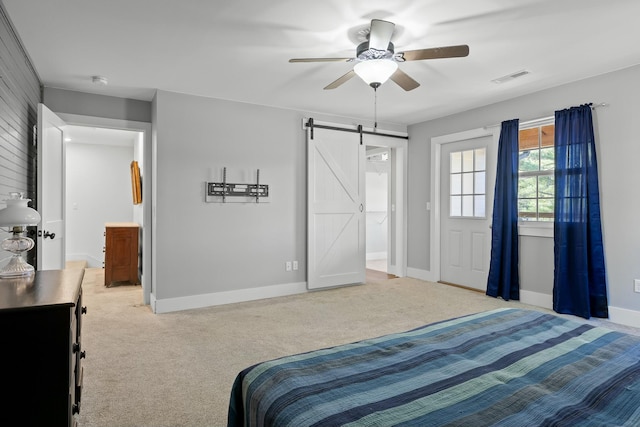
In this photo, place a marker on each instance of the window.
(536, 169)
(467, 175)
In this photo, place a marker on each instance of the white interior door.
(50, 188)
(336, 209)
(467, 182)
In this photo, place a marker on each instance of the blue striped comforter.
(504, 367)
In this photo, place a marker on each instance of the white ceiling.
(239, 50)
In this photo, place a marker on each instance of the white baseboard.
(624, 316)
(376, 255)
(227, 297)
(536, 298)
(621, 316)
(416, 273)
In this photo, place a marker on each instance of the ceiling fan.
(377, 61)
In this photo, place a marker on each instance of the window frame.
(536, 228)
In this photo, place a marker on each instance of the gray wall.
(232, 246)
(20, 94)
(618, 151)
(98, 190)
(87, 104)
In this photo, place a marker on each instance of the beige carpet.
(177, 369)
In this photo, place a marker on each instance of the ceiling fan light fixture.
(375, 72)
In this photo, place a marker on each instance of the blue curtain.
(579, 285)
(504, 280)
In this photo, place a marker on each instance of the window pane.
(455, 207)
(529, 161)
(547, 162)
(456, 184)
(480, 187)
(536, 164)
(467, 205)
(478, 206)
(456, 162)
(481, 159)
(547, 139)
(545, 186)
(467, 183)
(527, 209)
(545, 209)
(467, 161)
(528, 139)
(527, 187)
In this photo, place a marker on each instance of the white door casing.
(50, 190)
(336, 209)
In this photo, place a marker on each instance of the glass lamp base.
(17, 267)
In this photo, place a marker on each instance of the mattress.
(506, 367)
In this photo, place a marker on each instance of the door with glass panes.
(467, 182)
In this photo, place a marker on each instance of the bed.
(506, 367)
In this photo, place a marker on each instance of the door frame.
(147, 185)
(396, 209)
(436, 168)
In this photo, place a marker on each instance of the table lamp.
(17, 215)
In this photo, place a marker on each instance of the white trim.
(624, 316)
(535, 229)
(417, 273)
(373, 256)
(536, 298)
(228, 297)
(436, 149)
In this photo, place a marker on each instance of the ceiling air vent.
(511, 76)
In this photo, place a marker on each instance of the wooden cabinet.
(40, 326)
(121, 253)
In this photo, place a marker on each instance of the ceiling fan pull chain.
(375, 109)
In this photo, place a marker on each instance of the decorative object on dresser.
(121, 253)
(40, 323)
(17, 215)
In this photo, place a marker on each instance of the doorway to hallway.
(377, 213)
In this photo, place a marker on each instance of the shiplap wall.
(20, 92)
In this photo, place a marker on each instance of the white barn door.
(336, 209)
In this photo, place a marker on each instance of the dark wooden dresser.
(41, 369)
(121, 253)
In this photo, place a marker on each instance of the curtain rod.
(310, 124)
(544, 119)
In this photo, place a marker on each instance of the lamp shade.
(18, 212)
(375, 71)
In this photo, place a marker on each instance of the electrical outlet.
(287, 266)
(636, 285)
(295, 265)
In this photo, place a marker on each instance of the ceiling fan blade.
(434, 53)
(403, 80)
(320, 59)
(340, 80)
(380, 34)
